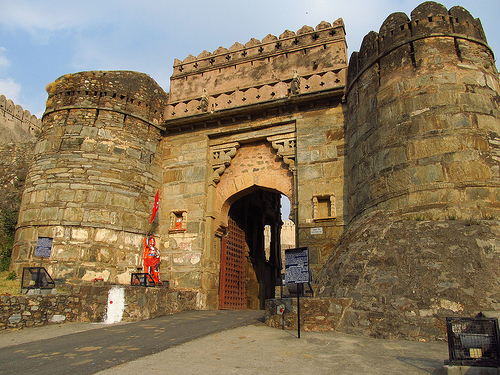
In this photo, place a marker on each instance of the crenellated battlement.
(288, 41)
(312, 59)
(131, 93)
(17, 121)
(428, 20)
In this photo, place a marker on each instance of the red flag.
(155, 206)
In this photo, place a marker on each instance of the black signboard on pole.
(297, 272)
(297, 265)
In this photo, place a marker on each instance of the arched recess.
(249, 275)
(256, 173)
(254, 166)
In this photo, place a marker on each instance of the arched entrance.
(248, 276)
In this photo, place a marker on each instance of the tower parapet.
(423, 117)
(130, 93)
(399, 33)
(95, 175)
(259, 71)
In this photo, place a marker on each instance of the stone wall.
(89, 303)
(140, 303)
(35, 311)
(316, 314)
(406, 276)
(17, 125)
(320, 181)
(95, 175)
(18, 134)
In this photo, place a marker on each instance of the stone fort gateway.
(390, 161)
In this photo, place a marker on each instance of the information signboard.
(317, 230)
(43, 247)
(297, 265)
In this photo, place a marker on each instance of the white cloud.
(4, 61)
(43, 20)
(10, 89)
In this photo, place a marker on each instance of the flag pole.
(155, 209)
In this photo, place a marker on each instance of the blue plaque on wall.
(43, 247)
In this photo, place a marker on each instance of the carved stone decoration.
(221, 158)
(324, 207)
(204, 101)
(285, 145)
(295, 84)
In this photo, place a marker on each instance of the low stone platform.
(317, 314)
(91, 303)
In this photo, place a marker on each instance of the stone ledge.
(317, 314)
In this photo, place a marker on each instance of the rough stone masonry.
(390, 162)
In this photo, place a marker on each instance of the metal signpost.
(297, 272)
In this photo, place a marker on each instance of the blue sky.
(42, 40)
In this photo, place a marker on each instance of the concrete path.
(89, 351)
(209, 342)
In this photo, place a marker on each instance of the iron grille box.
(36, 278)
(141, 279)
(473, 341)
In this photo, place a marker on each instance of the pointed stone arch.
(255, 166)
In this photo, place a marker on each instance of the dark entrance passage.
(249, 273)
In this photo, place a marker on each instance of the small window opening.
(324, 207)
(178, 221)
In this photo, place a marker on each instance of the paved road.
(99, 349)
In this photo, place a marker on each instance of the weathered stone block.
(432, 146)
(427, 174)
(105, 235)
(478, 194)
(472, 170)
(73, 214)
(50, 214)
(172, 176)
(79, 234)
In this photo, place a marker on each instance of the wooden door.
(232, 293)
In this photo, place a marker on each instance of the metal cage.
(36, 278)
(473, 341)
(142, 279)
